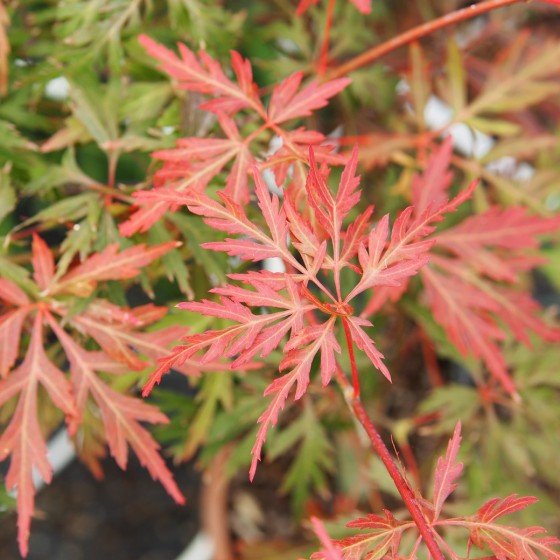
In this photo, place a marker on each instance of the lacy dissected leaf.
(472, 280)
(315, 248)
(109, 264)
(194, 162)
(204, 74)
(301, 351)
(50, 301)
(11, 323)
(121, 414)
(251, 334)
(390, 264)
(382, 536)
(509, 543)
(22, 441)
(448, 470)
(289, 101)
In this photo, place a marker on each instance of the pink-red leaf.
(121, 414)
(43, 263)
(109, 264)
(207, 76)
(300, 359)
(448, 470)
(498, 507)
(12, 293)
(287, 103)
(11, 325)
(22, 440)
(382, 536)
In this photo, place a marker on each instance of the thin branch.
(416, 33)
(360, 413)
(410, 500)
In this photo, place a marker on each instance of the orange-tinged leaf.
(121, 414)
(207, 76)
(11, 293)
(288, 103)
(274, 306)
(43, 263)
(109, 264)
(22, 440)
(11, 325)
(448, 470)
(300, 359)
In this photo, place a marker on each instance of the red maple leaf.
(382, 536)
(22, 440)
(315, 249)
(115, 329)
(194, 162)
(472, 283)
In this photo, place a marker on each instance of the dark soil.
(127, 516)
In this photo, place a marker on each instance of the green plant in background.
(249, 207)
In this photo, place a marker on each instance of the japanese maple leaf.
(315, 249)
(121, 414)
(330, 552)
(472, 281)
(382, 536)
(363, 5)
(22, 440)
(49, 302)
(448, 470)
(194, 162)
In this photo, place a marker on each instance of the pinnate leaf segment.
(116, 331)
(305, 304)
(382, 536)
(469, 275)
(194, 162)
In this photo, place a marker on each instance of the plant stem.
(354, 367)
(416, 33)
(406, 493)
(214, 510)
(383, 453)
(324, 55)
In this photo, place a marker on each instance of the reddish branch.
(408, 496)
(214, 505)
(401, 484)
(416, 33)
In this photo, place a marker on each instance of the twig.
(416, 33)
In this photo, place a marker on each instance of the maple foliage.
(117, 332)
(337, 261)
(378, 257)
(472, 283)
(194, 162)
(382, 536)
(330, 552)
(22, 440)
